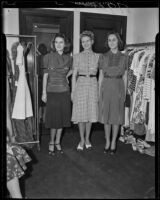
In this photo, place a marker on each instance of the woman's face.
(87, 42)
(112, 41)
(59, 44)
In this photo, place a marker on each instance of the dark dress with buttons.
(112, 91)
(58, 106)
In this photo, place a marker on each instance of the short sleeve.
(45, 63)
(100, 61)
(75, 62)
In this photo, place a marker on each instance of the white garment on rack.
(148, 80)
(135, 63)
(150, 136)
(126, 116)
(22, 106)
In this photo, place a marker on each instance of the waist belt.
(88, 75)
(116, 77)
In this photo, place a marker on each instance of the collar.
(88, 51)
(118, 53)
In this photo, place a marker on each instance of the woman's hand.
(44, 97)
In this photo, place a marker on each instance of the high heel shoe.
(79, 148)
(88, 146)
(113, 151)
(51, 152)
(58, 149)
(106, 150)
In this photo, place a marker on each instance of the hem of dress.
(85, 121)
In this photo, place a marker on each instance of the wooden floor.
(89, 174)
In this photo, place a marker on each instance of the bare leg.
(114, 136)
(52, 137)
(107, 128)
(14, 188)
(82, 131)
(88, 130)
(58, 138)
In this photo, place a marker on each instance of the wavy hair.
(120, 42)
(67, 48)
(89, 34)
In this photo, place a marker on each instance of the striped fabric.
(57, 67)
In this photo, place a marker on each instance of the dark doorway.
(44, 23)
(100, 24)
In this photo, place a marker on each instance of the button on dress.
(112, 91)
(85, 98)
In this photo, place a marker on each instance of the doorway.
(100, 24)
(44, 23)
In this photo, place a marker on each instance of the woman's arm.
(100, 78)
(74, 76)
(44, 92)
(125, 81)
(69, 74)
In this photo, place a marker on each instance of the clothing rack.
(35, 89)
(140, 45)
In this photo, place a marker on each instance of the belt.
(116, 77)
(87, 75)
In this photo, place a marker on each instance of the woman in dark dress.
(112, 89)
(56, 91)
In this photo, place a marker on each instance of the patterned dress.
(112, 91)
(16, 159)
(85, 99)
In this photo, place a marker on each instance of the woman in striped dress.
(85, 89)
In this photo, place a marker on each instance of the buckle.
(87, 75)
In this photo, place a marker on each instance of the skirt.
(58, 110)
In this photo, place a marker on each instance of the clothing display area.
(21, 64)
(140, 101)
(80, 102)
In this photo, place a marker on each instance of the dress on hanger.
(22, 107)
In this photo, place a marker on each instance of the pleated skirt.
(58, 110)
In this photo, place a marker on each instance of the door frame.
(122, 19)
(24, 13)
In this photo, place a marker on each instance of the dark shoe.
(106, 150)
(112, 151)
(51, 152)
(58, 148)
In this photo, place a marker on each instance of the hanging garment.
(22, 107)
(138, 94)
(150, 136)
(148, 80)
